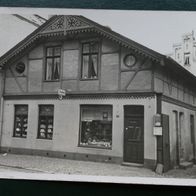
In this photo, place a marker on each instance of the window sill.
(51, 80)
(19, 137)
(47, 139)
(95, 147)
(87, 79)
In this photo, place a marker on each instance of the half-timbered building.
(78, 90)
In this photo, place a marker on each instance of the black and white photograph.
(98, 95)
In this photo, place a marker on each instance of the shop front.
(109, 129)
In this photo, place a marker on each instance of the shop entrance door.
(134, 134)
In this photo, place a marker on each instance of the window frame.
(14, 130)
(52, 57)
(82, 106)
(90, 54)
(39, 122)
(187, 59)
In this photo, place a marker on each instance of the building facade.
(76, 89)
(185, 52)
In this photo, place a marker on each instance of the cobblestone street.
(27, 163)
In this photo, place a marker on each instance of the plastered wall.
(66, 126)
(186, 145)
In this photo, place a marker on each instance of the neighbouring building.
(185, 52)
(76, 89)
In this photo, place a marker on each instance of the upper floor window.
(90, 51)
(21, 121)
(52, 68)
(186, 60)
(45, 127)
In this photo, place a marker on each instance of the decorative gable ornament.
(65, 23)
(58, 25)
(74, 24)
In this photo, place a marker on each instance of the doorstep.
(132, 164)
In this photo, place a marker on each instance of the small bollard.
(159, 168)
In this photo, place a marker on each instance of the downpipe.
(1, 120)
(2, 108)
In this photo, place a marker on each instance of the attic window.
(90, 52)
(52, 68)
(20, 67)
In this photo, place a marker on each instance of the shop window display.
(96, 126)
(45, 129)
(21, 121)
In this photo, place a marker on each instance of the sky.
(158, 30)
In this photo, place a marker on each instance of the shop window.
(90, 52)
(52, 68)
(96, 126)
(21, 121)
(45, 127)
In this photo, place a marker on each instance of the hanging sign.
(61, 93)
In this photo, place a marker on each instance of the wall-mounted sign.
(158, 131)
(157, 120)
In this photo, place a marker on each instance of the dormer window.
(90, 51)
(52, 68)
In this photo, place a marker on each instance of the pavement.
(66, 166)
(49, 165)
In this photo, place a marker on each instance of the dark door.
(166, 142)
(180, 132)
(192, 127)
(133, 138)
(176, 129)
